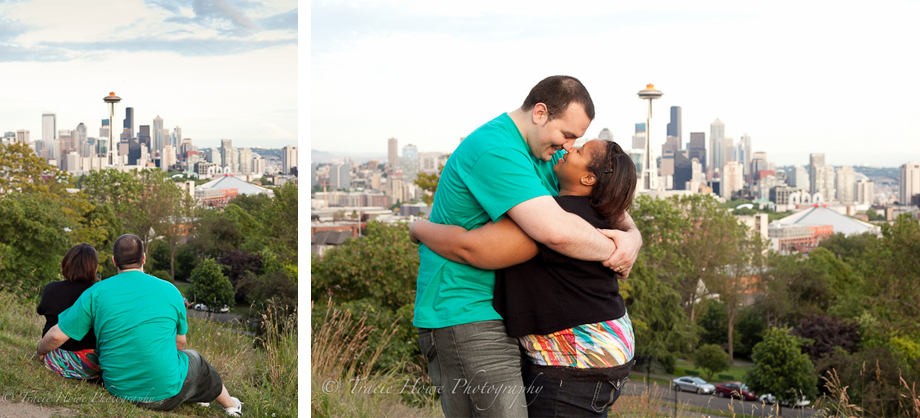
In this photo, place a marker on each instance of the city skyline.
(225, 69)
(797, 79)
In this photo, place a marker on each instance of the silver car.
(693, 384)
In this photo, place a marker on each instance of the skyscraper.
(825, 182)
(638, 139)
(909, 182)
(865, 192)
(748, 155)
(143, 137)
(22, 136)
(716, 148)
(798, 177)
(698, 148)
(605, 135)
(814, 161)
(49, 127)
(289, 159)
(245, 161)
(846, 185)
(102, 144)
(159, 141)
(79, 136)
(410, 163)
(732, 179)
(392, 149)
(129, 122)
(674, 127)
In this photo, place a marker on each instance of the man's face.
(559, 133)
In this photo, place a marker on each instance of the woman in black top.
(75, 359)
(567, 313)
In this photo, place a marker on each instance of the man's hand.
(39, 357)
(628, 245)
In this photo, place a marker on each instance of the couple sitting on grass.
(128, 330)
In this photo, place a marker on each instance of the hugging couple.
(517, 306)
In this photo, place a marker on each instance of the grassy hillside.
(264, 379)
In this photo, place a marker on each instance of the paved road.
(736, 406)
(226, 318)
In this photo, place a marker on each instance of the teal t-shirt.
(491, 171)
(136, 318)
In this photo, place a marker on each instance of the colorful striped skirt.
(83, 364)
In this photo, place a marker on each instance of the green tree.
(663, 330)
(33, 239)
(711, 359)
(210, 286)
(429, 183)
(279, 218)
(23, 171)
(781, 368)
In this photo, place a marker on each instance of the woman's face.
(574, 165)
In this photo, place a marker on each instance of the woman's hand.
(412, 232)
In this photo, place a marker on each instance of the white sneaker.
(204, 404)
(235, 411)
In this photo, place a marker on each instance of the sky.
(838, 78)
(219, 69)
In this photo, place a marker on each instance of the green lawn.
(736, 372)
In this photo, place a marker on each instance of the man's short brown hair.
(128, 252)
(557, 93)
(80, 263)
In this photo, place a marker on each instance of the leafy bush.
(162, 275)
(711, 359)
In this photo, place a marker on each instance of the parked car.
(735, 390)
(200, 307)
(770, 399)
(693, 384)
(225, 309)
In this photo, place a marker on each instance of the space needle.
(111, 155)
(649, 167)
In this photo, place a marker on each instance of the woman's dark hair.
(557, 93)
(79, 264)
(613, 192)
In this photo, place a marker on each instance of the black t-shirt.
(552, 292)
(56, 298)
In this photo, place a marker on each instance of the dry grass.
(343, 384)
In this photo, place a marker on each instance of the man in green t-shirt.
(503, 168)
(140, 326)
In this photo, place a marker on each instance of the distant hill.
(877, 172)
(329, 156)
(265, 152)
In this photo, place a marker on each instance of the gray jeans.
(477, 368)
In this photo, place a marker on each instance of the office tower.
(825, 180)
(814, 161)
(696, 170)
(671, 143)
(846, 184)
(728, 150)
(177, 136)
(732, 179)
(605, 134)
(748, 155)
(245, 161)
(666, 164)
(865, 192)
(410, 163)
(49, 127)
(340, 175)
(66, 144)
(716, 135)
(289, 159)
(134, 151)
(168, 157)
(799, 178)
(683, 171)
(258, 166)
(159, 141)
(640, 127)
(392, 158)
(909, 181)
(674, 126)
(143, 137)
(637, 155)
(88, 150)
(79, 136)
(129, 122)
(698, 148)
(72, 162)
(214, 157)
(428, 163)
(22, 136)
(227, 156)
(758, 163)
(102, 144)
